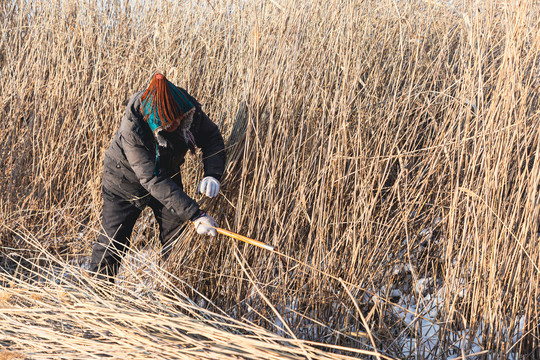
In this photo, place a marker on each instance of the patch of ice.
(422, 285)
(402, 268)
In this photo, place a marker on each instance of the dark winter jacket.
(130, 162)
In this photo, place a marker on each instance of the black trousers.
(118, 219)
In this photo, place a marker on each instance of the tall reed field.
(389, 150)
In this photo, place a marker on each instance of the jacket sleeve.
(209, 139)
(161, 187)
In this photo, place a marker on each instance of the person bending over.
(142, 168)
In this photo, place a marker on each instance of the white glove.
(205, 225)
(209, 186)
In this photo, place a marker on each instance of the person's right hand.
(205, 225)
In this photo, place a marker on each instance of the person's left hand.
(209, 186)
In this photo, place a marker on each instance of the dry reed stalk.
(378, 136)
(10, 355)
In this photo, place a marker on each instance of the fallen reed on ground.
(57, 310)
(390, 148)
